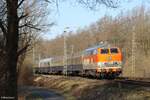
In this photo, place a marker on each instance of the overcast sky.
(75, 16)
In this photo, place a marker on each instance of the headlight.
(101, 64)
(117, 63)
(109, 64)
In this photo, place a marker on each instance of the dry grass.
(77, 88)
(71, 87)
(25, 76)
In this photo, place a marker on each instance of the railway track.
(137, 82)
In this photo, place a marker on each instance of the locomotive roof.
(45, 60)
(104, 45)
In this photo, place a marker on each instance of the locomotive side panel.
(89, 59)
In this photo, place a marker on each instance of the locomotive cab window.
(113, 50)
(104, 51)
(94, 52)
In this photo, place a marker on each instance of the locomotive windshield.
(113, 50)
(104, 51)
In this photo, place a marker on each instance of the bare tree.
(16, 24)
(93, 4)
(19, 22)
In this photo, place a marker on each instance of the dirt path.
(38, 93)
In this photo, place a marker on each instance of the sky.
(75, 16)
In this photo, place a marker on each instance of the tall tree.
(11, 16)
(16, 24)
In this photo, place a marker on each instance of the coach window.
(45, 64)
(104, 51)
(84, 53)
(91, 52)
(48, 63)
(88, 53)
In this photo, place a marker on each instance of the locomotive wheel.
(102, 75)
(97, 75)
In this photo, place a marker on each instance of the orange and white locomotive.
(101, 61)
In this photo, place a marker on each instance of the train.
(100, 61)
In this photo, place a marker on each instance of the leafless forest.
(118, 31)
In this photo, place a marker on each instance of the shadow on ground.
(39, 93)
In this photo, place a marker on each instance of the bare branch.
(22, 50)
(92, 4)
(30, 26)
(20, 3)
(3, 28)
(33, 27)
(23, 16)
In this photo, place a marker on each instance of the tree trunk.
(10, 59)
